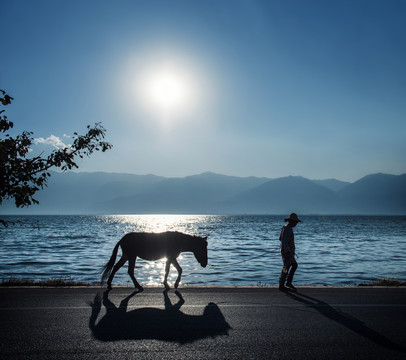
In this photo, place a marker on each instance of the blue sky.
(245, 88)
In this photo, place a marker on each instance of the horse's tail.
(106, 269)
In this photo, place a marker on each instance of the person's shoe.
(289, 285)
(283, 288)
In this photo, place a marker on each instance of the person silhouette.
(287, 240)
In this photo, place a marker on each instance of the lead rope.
(252, 258)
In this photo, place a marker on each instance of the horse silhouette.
(155, 246)
(169, 324)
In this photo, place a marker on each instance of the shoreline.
(201, 287)
(69, 282)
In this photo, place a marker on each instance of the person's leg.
(291, 273)
(284, 273)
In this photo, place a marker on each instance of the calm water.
(331, 250)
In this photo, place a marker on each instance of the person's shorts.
(288, 259)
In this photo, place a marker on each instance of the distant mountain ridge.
(210, 193)
(280, 196)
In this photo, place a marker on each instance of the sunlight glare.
(156, 223)
(167, 91)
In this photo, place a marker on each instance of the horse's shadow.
(169, 324)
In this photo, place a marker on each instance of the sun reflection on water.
(158, 223)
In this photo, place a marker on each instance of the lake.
(243, 250)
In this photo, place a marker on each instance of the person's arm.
(287, 234)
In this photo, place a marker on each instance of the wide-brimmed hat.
(293, 217)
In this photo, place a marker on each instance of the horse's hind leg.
(131, 266)
(119, 264)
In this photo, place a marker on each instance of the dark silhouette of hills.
(332, 184)
(191, 194)
(280, 196)
(78, 193)
(377, 193)
(112, 193)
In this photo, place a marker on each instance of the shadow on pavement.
(169, 324)
(348, 321)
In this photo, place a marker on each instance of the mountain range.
(210, 193)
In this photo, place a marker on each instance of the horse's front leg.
(177, 266)
(167, 267)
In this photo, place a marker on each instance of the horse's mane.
(174, 233)
(184, 235)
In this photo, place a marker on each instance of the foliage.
(68, 281)
(384, 282)
(22, 176)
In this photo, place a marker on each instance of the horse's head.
(200, 251)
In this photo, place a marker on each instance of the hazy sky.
(264, 88)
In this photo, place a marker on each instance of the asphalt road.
(203, 323)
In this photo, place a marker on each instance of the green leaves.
(21, 176)
(4, 123)
(5, 99)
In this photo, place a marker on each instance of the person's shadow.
(169, 324)
(348, 321)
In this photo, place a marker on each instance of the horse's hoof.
(109, 287)
(176, 285)
(167, 287)
(140, 288)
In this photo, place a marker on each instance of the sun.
(166, 88)
(167, 91)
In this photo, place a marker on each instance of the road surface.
(203, 323)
